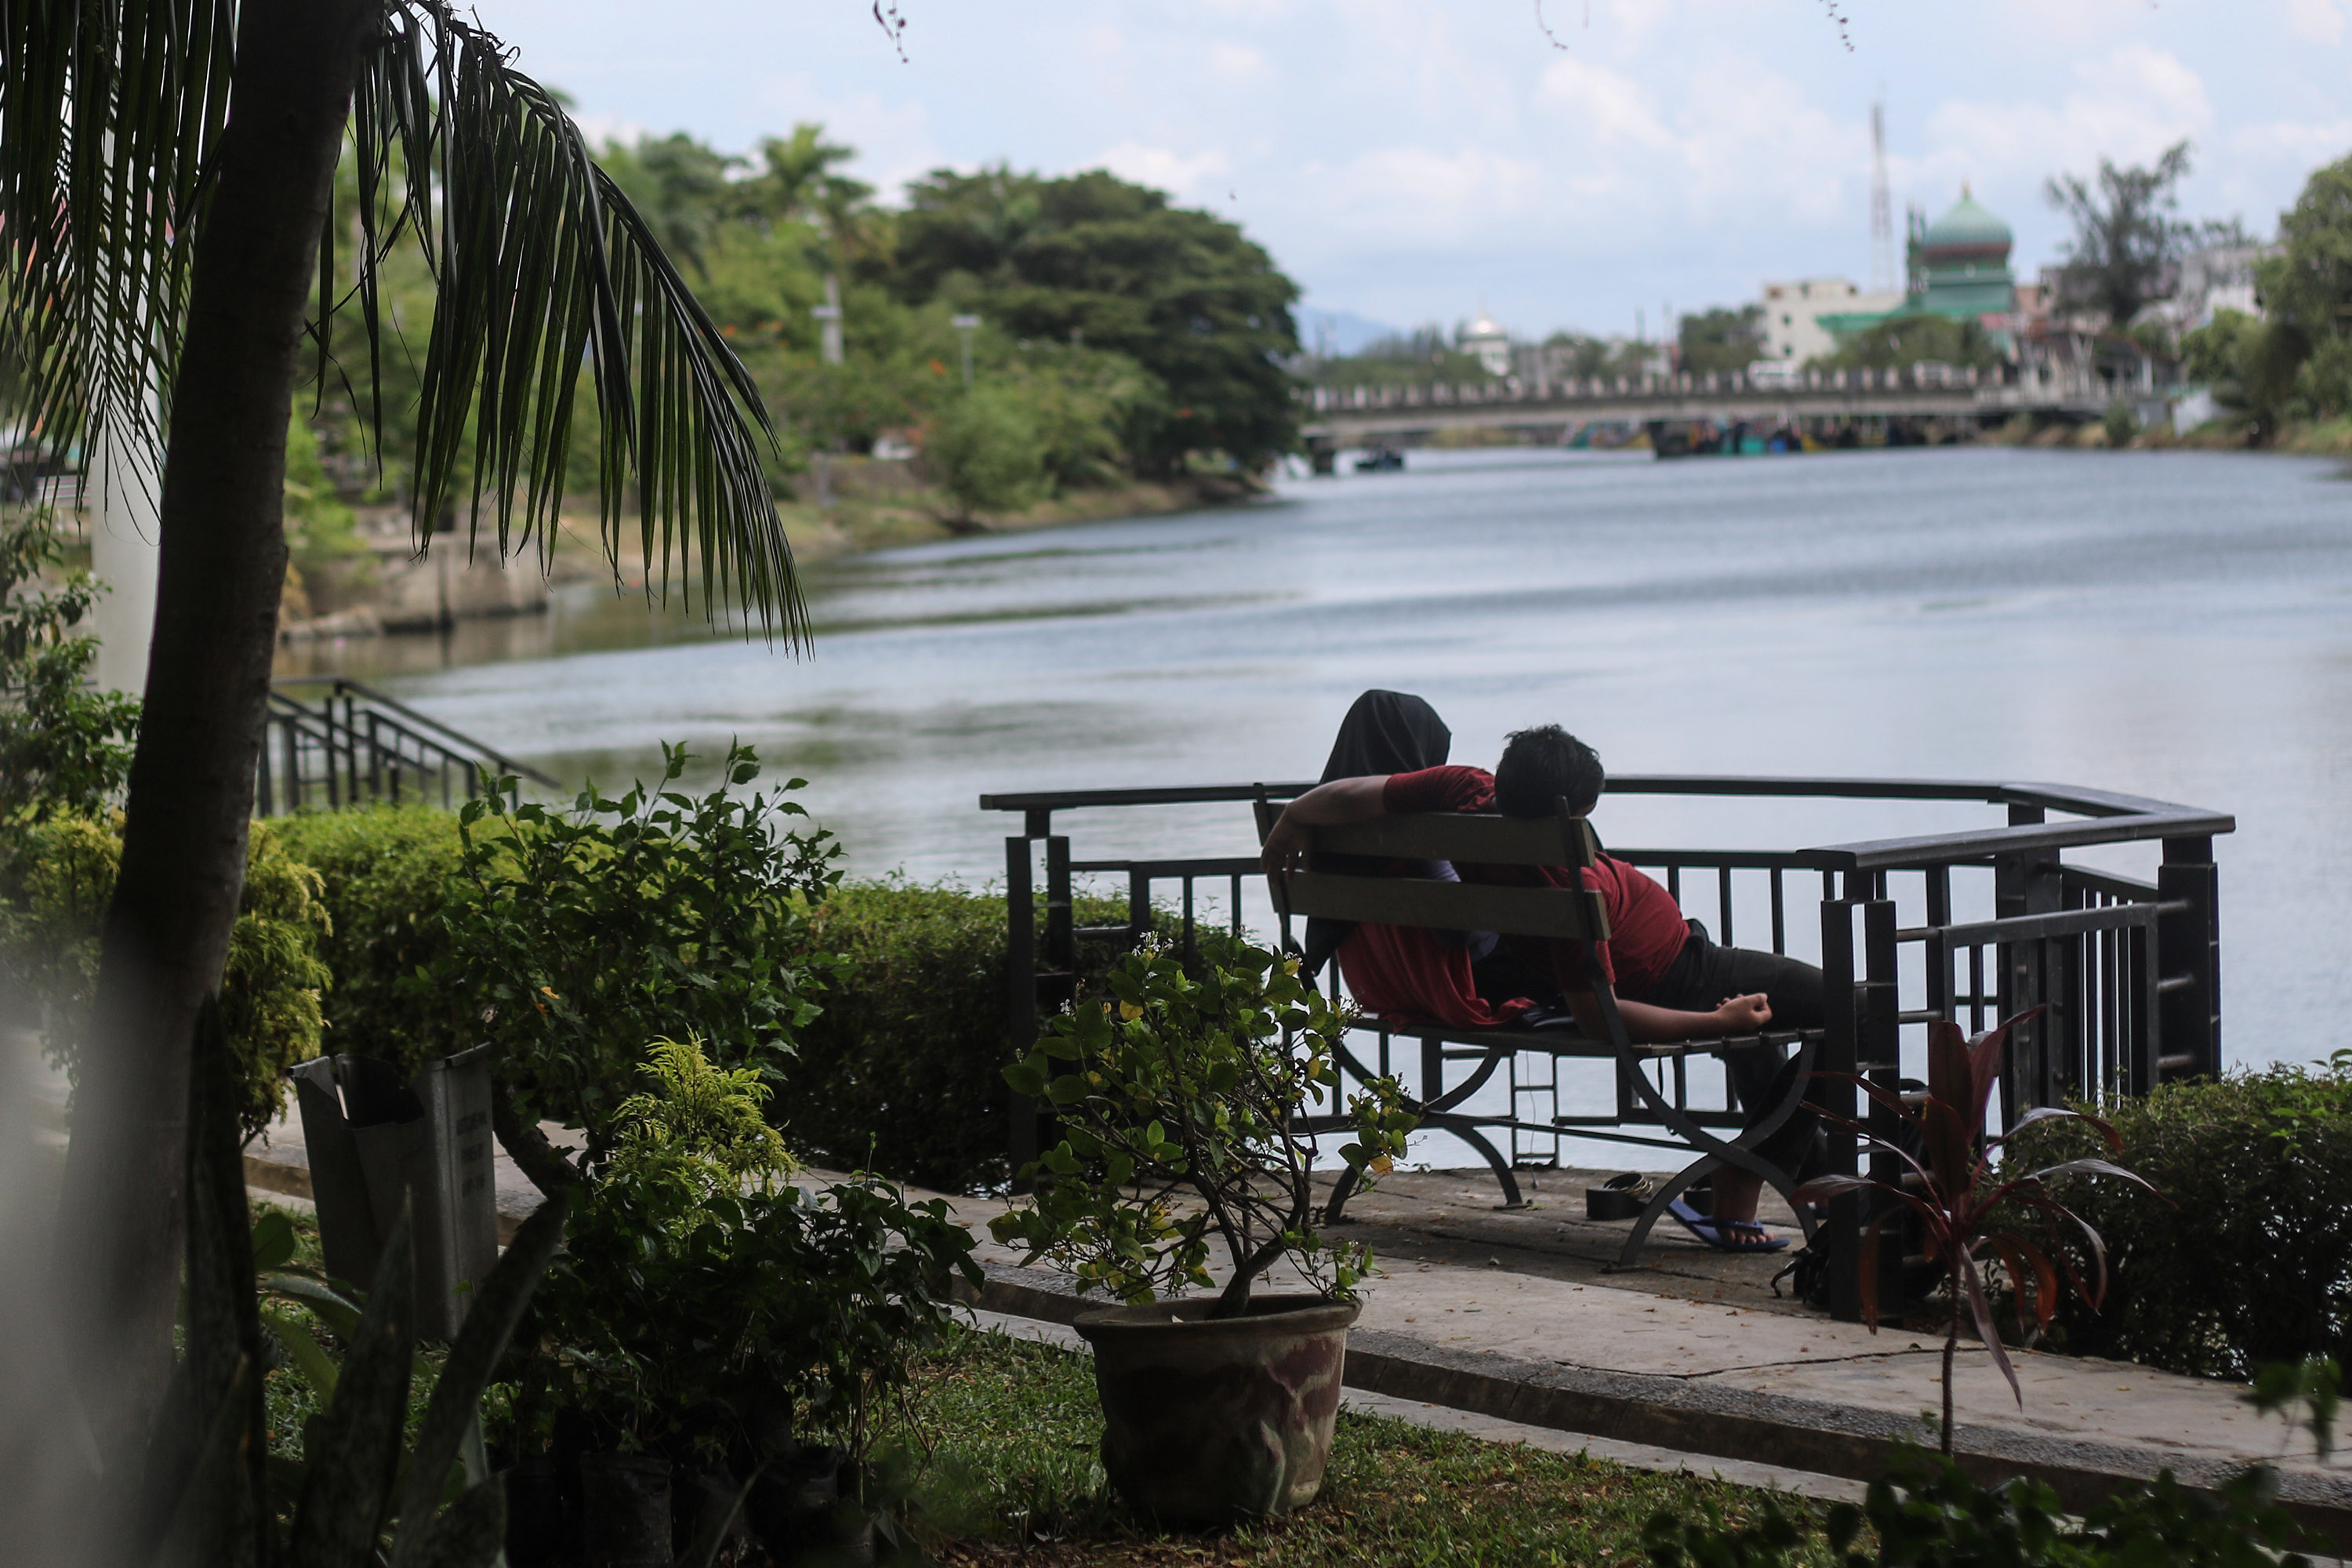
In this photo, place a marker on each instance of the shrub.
(701, 1296)
(2254, 1263)
(53, 896)
(63, 746)
(988, 452)
(1926, 1513)
(903, 1070)
(582, 936)
(385, 873)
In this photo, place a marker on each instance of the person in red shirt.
(1661, 967)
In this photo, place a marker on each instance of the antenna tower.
(1882, 210)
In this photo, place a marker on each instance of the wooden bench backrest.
(1464, 840)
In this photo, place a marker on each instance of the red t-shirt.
(1399, 978)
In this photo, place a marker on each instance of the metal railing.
(2128, 972)
(352, 744)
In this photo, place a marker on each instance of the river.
(2174, 625)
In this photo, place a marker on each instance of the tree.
(1721, 340)
(2125, 237)
(986, 447)
(1091, 258)
(167, 174)
(2307, 287)
(1901, 341)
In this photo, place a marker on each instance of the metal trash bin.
(373, 1138)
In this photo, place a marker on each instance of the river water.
(2174, 624)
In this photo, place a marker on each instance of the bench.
(1571, 914)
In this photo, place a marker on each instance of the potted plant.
(1963, 1206)
(702, 1301)
(1185, 1098)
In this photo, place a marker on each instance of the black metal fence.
(2128, 972)
(350, 744)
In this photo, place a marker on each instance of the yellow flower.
(1130, 1011)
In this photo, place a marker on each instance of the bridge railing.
(350, 744)
(1968, 926)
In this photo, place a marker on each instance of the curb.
(1728, 1423)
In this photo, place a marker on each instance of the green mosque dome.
(1968, 231)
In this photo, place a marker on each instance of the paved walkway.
(1511, 1317)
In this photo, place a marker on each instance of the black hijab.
(1385, 733)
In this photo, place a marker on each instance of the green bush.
(55, 880)
(1925, 1513)
(386, 874)
(63, 745)
(701, 1296)
(2251, 1260)
(903, 1070)
(987, 449)
(581, 935)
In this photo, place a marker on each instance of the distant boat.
(1380, 460)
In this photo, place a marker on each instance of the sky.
(1562, 164)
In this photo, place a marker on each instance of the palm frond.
(542, 268)
(108, 116)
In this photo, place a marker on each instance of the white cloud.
(2319, 21)
(1416, 198)
(1161, 167)
(2128, 106)
(1237, 63)
(1610, 107)
(599, 128)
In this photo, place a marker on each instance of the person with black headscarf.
(1385, 733)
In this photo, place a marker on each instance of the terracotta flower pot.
(1208, 1421)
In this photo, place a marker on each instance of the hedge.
(903, 1071)
(2251, 1261)
(900, 1072)
(384, 870)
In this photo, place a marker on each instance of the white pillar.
(124, 540)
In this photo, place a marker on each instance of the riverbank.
(875, 504)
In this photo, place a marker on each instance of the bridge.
(1915, 402)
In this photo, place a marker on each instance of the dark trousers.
(1702, 975)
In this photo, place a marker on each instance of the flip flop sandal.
(1724, 1234)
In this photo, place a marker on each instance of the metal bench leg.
(1341, 1190)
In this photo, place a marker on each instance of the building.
(1794, 332)
(2218, 277)
(1489, 342)
(1960, 271)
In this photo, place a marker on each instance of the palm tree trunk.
(222, 566)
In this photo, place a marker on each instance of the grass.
(1013, 1479)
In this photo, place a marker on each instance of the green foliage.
(700, 1297)
(384, 875)
(63, 747)
(1089, 257)
(1721, 340)
(2307, 287)
(318, 526)
(52, 897)
(1962, 1205)
(1409, 359)
(694, 1111)
(1902, 341)
(987, 451)
(902, 1071)
(1189, 1083)
(582, 936)
(1926, 1514)
(2119, 424)
(2125, 234)
(2251, 1262)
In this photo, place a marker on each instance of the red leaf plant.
(1957, 1195)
